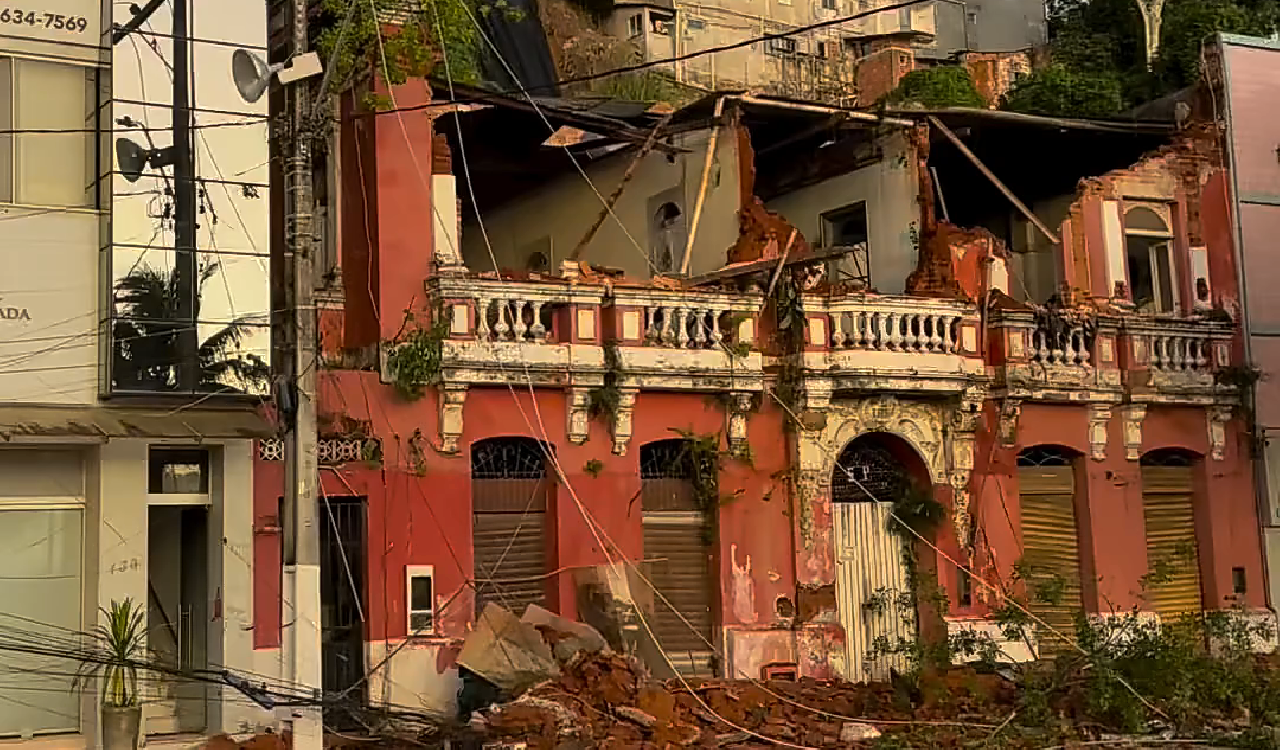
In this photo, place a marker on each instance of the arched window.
(868, 472)
(1149, 252)
(509, 489)
(667, 237)
(1045, 455)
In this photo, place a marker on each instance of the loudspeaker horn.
(131, 158)
(251, 74)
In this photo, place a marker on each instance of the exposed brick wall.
(880, 72)
(993, 73)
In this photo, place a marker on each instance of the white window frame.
(94, 201)
(1165, 212)
(635, 25)
(60, 503)
(410, 573)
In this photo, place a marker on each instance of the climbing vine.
(605, 399)
(414, 357)
(788, 305)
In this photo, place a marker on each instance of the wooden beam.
(994, 180)
(622, 184)
(702, 186)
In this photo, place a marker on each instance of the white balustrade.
(880, 327)
(690, 325)
(1179, 352)
(1070, 346)
(513, 317)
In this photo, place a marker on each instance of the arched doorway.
(678, 536)
(873, 593)
(1172, 584)
(1050, 564)
(509, 489)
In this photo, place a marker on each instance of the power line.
(682, 57)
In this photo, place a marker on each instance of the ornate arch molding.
(919, 424)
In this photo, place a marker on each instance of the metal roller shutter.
(679, 544)
(1172, 556)
(509, 548)
(509, 537)
(1051, 548)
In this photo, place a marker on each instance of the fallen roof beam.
(622, 184)
(1031, 217)
(852, 114)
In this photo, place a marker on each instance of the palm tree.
(147, 333)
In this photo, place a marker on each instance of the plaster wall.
(562, 210)
(49, 306)
(889, 188)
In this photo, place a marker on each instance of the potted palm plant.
(121, 647)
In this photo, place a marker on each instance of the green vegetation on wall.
(349, 34)
(941, 86)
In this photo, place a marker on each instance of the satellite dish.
(251, 74)
(131, 158)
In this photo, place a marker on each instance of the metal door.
(873, 594)
(343, 533)
(1172, 587)
(1051, 549)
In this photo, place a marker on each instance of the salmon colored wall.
(426, 520)
(1109, 512)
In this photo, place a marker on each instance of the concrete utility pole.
(186, 272)
(302, 568)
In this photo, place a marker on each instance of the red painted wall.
(426, 520)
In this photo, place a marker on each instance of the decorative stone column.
(622, 420)
(1099, 419)
(1132, 417)
(739, 411)
(964, 440)
(578, 418)
(1218, 418)
(453, 396)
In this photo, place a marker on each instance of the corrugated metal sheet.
(509, 549)
(1051, 550)
(680, 544)
(1169, 513)
(871, 588)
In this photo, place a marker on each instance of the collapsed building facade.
(735, 354)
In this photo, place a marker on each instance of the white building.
(127, 415)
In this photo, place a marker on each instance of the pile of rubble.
(545, 682)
